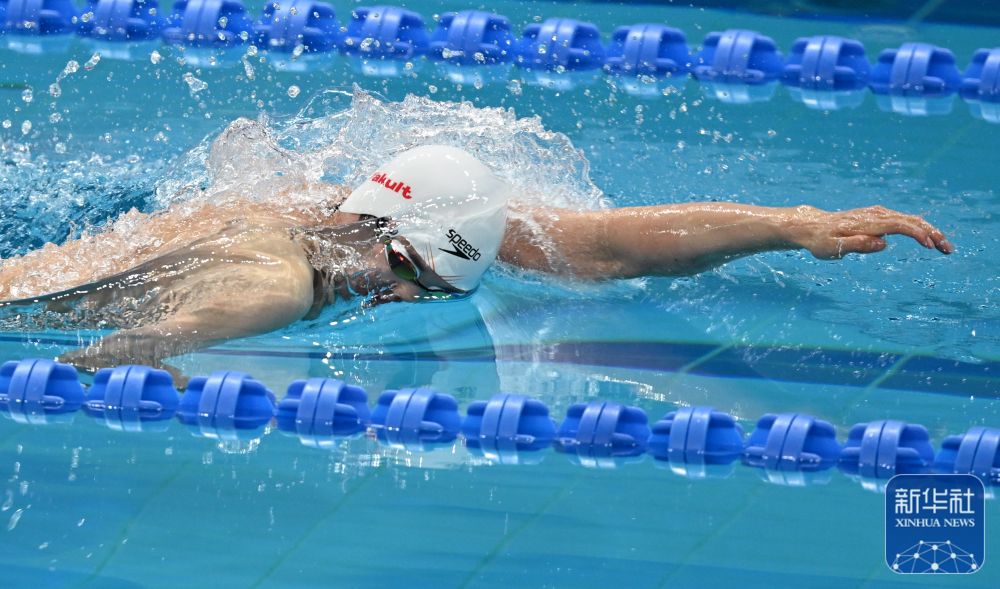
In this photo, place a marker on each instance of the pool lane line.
(950, 141)
(367, 478)
(925, 10)
(511, 535)
(873, 387)
(687, 368)
(95, 574)
(751, 498)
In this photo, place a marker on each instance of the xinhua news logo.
(935, 524)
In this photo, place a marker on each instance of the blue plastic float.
(738, 56)
(648, 50)
(603, 430)
(975, 452)
(322, 408)
(39, 391)
(472, 37)
(981, 80)
(827, 63)
(385, 32)
(560, 44)
(122, 20)
(288, 24)
(208, 23)
(127, 397)
(695, 442)
(506, 426)
(883, 449)
(414, 417)
(916, 69)
(791, 441)
(695, 439)
(225, 402)
(40, 17)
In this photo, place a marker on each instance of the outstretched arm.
(684, 239)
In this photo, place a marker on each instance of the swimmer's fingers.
(144, 345)
(82, 361)
(879, 221)
(89, 360)
(834, 248)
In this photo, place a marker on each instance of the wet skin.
(228, 272)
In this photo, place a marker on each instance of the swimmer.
(426, 225)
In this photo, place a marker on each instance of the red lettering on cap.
(397, 186)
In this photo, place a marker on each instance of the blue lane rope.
(696, 442)
(121, 20)
(822, 71)
(298, 25)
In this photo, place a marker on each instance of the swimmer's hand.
(90, 360)
(832, 235)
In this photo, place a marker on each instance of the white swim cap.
(446, 203)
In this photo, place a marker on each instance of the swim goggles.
(407, 269)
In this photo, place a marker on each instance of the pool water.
(906, 334)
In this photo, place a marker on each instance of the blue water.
(906, 334)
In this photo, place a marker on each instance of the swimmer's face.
(378, 280)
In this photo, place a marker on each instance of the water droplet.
(92, 62)
(14, 518)
(26, 127)
(28, 95)
(6, 123)
(55, 91)
(293, 91)
(71, 67)
(194, 84)
(432, 89)
(55, 117)
(155, 57)
(248, 69)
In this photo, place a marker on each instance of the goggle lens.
(400, 265)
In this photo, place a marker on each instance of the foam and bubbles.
(330, 143)
(291, 163)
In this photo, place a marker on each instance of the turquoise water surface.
(906, 334)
